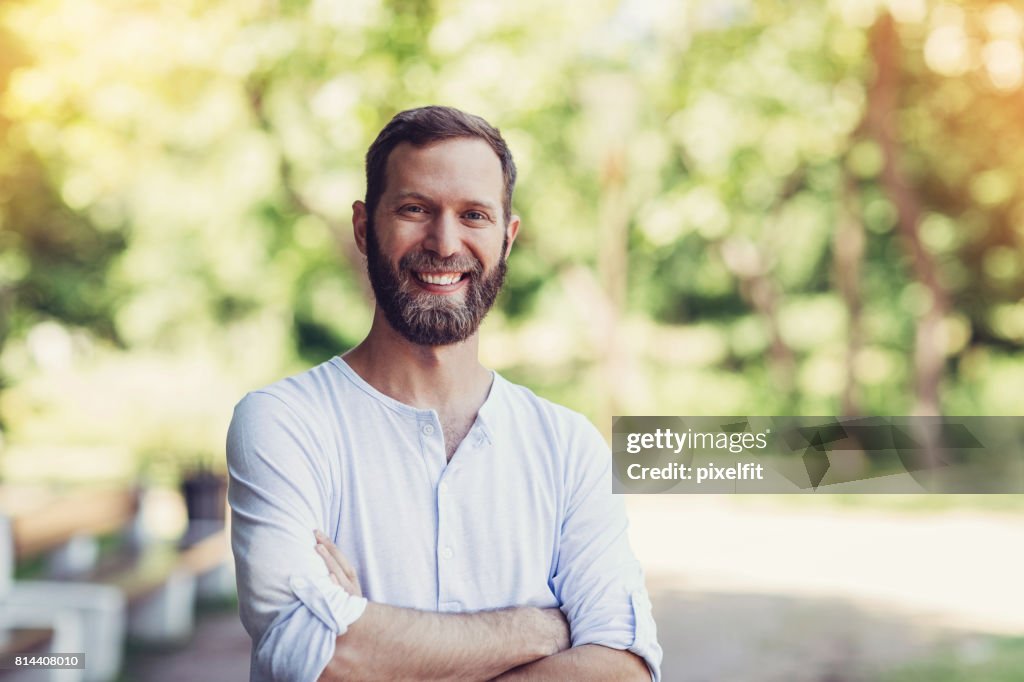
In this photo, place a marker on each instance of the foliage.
(713, 222)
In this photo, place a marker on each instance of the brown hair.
(424, 126)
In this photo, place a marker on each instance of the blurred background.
(729, 207)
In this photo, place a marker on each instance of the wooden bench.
(161, 584)
(155, 584)
(28, 642)
(25, 641)
(46, 521)
(27, 629)
(62, 528)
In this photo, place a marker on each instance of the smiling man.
(464, 528)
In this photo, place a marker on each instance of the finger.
(347, 567)
(341, 559)
(322, 541)
(342, 583)
(345, 570)
(333, 566)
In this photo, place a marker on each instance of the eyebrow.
(402, 196)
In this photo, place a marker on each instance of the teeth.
(444, 278)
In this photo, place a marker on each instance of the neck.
(426, 377)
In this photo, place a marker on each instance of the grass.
(910, 504)
(993, 660)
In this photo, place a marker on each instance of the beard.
(431, 319)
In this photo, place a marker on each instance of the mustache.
(424, 261)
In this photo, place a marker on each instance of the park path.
(751, 592)
(957, 568)
(757, 591)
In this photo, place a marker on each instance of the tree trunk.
(929, 344)
(929, 341)
(848, 256)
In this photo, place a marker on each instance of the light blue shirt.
(522, 515)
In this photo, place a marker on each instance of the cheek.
(397, 249)
(488, 250)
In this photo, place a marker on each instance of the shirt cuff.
(645, 638)
(331, 604)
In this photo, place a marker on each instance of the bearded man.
(403, 513)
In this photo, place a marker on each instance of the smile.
(440, 278)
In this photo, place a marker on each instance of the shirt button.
(428, 429)
(447, 553)
(443, 488)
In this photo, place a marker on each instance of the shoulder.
(304, 394)
(283, 422)
(298, 405)
(567, 428)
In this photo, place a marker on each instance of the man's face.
(437, 244)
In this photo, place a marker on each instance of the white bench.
(143, 591)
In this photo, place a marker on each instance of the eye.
(476, 215)
(412, 208)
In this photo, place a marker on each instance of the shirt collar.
(487, 416)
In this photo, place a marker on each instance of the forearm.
(587, 662)
(393, 643)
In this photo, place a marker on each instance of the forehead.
(457, 169)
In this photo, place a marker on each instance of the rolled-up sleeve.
(597, 579)
(278, 491)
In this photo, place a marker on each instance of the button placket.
(431, 443)
(445, 547)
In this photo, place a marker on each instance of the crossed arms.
(304, 627)
(520, 643)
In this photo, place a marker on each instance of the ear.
(359, 225)
(511, 231)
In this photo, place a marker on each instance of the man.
(468, 526)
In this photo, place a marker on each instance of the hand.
(341, 570)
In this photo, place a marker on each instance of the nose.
(443, 235)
